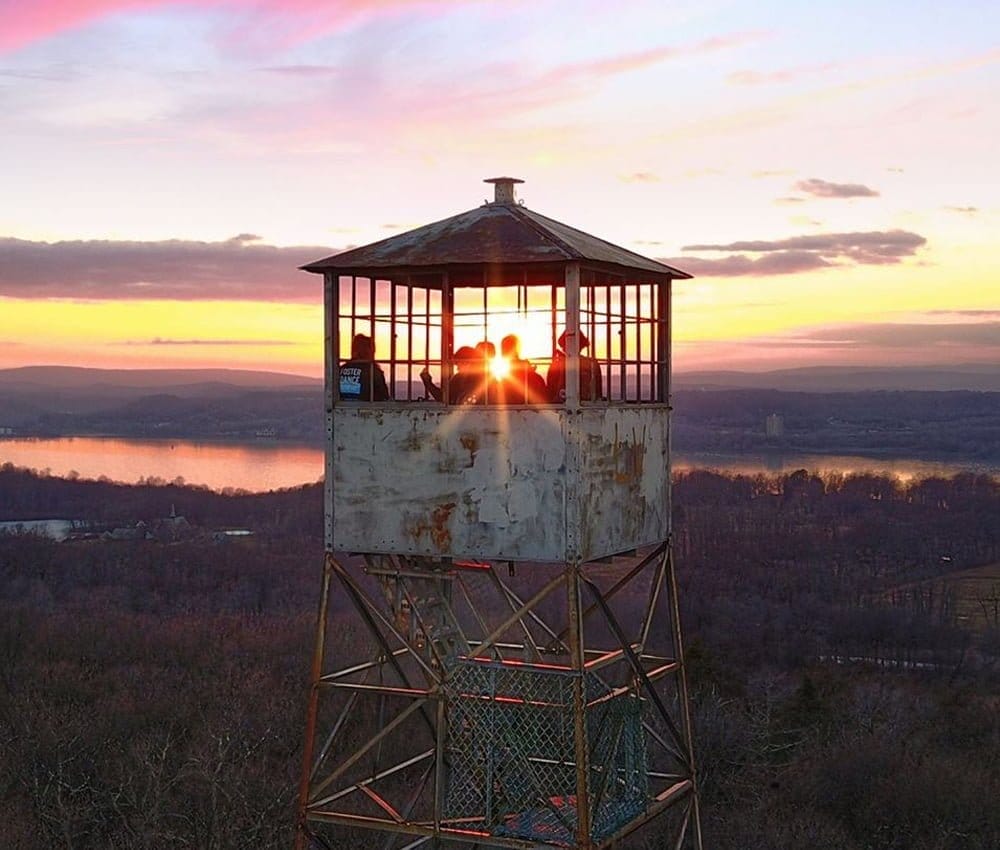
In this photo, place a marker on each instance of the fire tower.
(498, 657)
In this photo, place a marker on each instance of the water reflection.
(254, 467)
(259, 467)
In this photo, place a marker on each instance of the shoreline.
(767, 451)
(262, 465)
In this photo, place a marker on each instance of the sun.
(499, 367)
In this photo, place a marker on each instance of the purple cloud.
(801, 253)
(740, 265)
(824, 189)
(241, 268)
(908, 335)
(971, 314)
(892, 243)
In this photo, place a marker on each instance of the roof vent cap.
(503, 189)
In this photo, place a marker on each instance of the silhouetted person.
(591, 386)
(522, 384)
(467, 385)
(489, 392)
(361, 378)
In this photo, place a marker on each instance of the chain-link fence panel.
(511, 752)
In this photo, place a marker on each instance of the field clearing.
(969, 598)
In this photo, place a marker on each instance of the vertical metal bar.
(439, 767)
(638, 341)
(447, 336)
(486, 303)
(331, 369)
(668, 326)
(607, 318)
(354, 306)
(592, 330)
(427, 325)
(623, 330)
(392, 342)
(312, 711)
(573, 336)
(372, 284)
(662, 342)
(682, 692)
(580, 744)
(409, 332)
(555, 307)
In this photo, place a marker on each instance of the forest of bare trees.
(152, 694)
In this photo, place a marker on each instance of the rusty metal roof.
(494, 233)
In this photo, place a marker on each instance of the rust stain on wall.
(471, 444)
(628, 462)
(436, 528)
(439, 526)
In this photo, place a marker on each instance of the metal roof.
(494, 233)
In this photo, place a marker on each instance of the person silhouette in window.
(467, 385)
(591, 387)
(361, 378)
(522, 384)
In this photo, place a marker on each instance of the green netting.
(511, 752)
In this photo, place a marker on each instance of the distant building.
(172, 528)
(6, 431)
(136, 532)
(228, 535)
(774, 426)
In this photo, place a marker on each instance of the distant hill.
(827, 379)
(31, 395)
(121, 384)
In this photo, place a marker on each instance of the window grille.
(421, 324)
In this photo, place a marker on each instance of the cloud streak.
(824, 189)
(209, 342)
(640, 177)
(241, 268)
(782, 75)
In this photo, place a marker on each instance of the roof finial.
(503, 189)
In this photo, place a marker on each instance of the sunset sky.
(829, 172)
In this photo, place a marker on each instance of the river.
(262, 466)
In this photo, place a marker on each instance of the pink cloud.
(286, 21)
(24, 23)
(424, 106)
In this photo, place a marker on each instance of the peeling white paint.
(493, 482)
